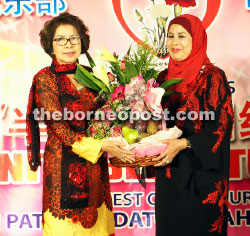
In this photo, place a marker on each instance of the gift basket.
(132, 111)
(146, 149)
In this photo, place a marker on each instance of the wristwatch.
(188, 144)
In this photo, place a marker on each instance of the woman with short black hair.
(76, 190)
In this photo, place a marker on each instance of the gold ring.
(167, 161)
(122, 156)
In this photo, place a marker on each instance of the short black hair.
(48, 32)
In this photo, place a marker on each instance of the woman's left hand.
(173, 148)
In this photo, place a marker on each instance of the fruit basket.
(146, 149)
(139, 161)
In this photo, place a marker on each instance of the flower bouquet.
(132, 110)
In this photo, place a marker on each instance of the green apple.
(130, 135)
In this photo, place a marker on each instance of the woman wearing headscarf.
(76, 191)
(193, 172)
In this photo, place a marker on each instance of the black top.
(191, 192)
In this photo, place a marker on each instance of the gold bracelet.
(188, 144)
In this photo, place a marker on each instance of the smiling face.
(68, 53)
(179, 42)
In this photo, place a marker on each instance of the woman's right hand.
(115, 149)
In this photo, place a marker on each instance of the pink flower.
(156, 85)
(123, 65)
(111, 77)
(182, 3)
(118, 93)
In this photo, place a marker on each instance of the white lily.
(100, 72)
(105, 55)
(160, 10)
